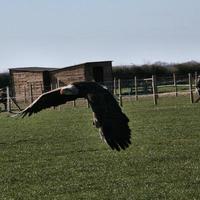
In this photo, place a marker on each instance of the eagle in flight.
(107, 114)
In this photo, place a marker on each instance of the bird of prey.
(108, 116)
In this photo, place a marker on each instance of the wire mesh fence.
(18, 97)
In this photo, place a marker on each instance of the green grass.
(59, 155)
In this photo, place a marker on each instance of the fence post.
(41, 88)
(136, 88)
(74, 103)
(57, 86)
(195, 78)
(31, 94)
(24, 94)
(190, 88)
(120, 92)
(175, 85)
(114, 86)
(58, 82)
(8, 99)
(154, 89)
(88, 105)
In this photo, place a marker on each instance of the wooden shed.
(29, 83)
(89, 71)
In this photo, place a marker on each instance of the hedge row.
(158, 69)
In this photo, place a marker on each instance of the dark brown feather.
(113, 123)
(46, 100)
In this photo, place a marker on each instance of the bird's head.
(69, 90)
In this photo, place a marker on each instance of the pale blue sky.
(58, 33)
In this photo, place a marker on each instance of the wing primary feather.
(46, 100)
(114, 123)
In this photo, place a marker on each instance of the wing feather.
(113, 122)
(46, 100)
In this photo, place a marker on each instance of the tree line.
(159, 69)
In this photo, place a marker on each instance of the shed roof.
(41, 69)
(33, 69)
(82, 64)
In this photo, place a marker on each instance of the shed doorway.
(46, 81)
(98, 74)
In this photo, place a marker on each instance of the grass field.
(59, 155)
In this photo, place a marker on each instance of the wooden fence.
(133, 89)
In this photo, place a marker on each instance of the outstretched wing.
(46, 100)
(113, 123)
